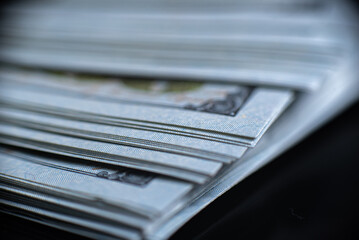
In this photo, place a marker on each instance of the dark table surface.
(310, 192)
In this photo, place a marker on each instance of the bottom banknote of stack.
(136, 159)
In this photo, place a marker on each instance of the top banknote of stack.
(124, 119)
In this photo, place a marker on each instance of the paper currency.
(123, 120)
(98, 186)
(263, 106)
(127, 136)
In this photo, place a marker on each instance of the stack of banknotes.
(124, 119)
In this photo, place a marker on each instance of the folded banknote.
(123, 119)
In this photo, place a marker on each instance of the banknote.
(176, 99)
(88, 227)
(65, 204)
(180, 166)
(261, 108)
(305, 68)
(246, 57)
(142, 199)
(134, 137)
(269, 73)
(116, 215)
(176, 130)
(125, 122)
(132, 124)
(125, 119)
(149, 28)
(177, 94)
(154, 7)
(324, 105)
(162, 18)
(149, 47)
(236, 36)
(89, 156)
(249, 52)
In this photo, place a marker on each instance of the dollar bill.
(65, 204)
(123, 135)
(74, 224)
(180, 166)
(259, 111)
(267, 73)
(254, 49)
(141, 199)
(324, 105)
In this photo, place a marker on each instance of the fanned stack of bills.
(123, 119)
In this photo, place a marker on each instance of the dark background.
(310, 192)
